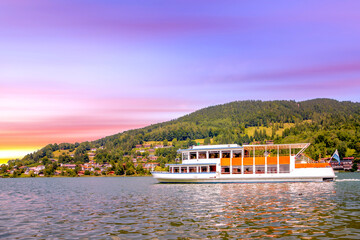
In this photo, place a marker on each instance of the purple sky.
(81, 70)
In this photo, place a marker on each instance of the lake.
(139, 208)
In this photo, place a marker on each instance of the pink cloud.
(288, 75)
(38, 116)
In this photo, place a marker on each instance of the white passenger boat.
(232, 163)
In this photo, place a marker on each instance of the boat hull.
(298, 175)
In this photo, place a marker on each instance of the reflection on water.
(122, 208)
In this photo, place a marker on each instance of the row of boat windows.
(212, 154)
(259, 169)
(199, 169)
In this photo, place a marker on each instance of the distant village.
(143, 161)
(144, 158)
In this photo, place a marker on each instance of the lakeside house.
(36, 169)
(87, 167)
(71, 166)
(150, 166)
(345, 164)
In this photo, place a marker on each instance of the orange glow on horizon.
(15, 153)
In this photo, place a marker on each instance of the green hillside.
(327, 124)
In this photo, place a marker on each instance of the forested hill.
(327, 124)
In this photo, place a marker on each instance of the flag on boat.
(336, 156)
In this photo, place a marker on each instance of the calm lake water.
(139, 208)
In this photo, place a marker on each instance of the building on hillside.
(154, 158)
(91, 154)
(150, 166)
(34, 169)
(107, 165)
(269, 142)
(85, 167)
(70, 166)
(151, 150)
(147, 145)
(345, 164)
(40, 167)
(23, 168)
(138, 146)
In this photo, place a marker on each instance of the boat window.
(214, 154)
(225, 170)
(272, 168)
(225, 154)
(284, 168)
(176, 169)
(192, 169)
(203, 168)
(260, 169)
(202, 155)
(236, 170)
(184, 169)
(192, 155)
(248, 169)
(236, 154)
(185, 156)
(213, 168)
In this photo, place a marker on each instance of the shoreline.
(87, 176)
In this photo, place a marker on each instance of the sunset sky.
(81, 70)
